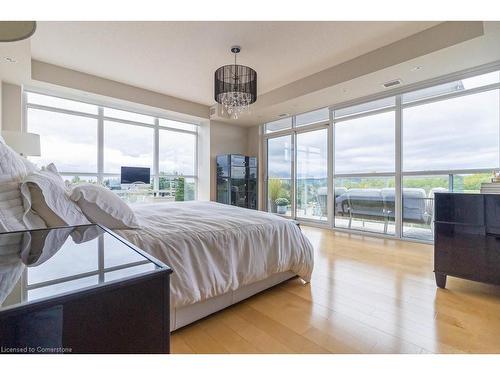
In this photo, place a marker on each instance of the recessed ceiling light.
(415, 68)
(10, 59)
(284, 115)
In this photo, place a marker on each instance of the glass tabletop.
(45, 263)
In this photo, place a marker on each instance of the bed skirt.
(182, 316)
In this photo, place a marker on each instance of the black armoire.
(237, 180)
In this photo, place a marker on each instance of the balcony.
(368, 203)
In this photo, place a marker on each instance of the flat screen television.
(135, 175)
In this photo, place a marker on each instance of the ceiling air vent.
(392, 83)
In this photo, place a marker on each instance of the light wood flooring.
(367, 295)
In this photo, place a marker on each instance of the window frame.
(399, 173)
(100, 117)
(397, 127)
(292, 132)
(309, 129)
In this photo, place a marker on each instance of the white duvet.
(215, 248)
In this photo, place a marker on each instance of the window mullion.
(331, 172)
(293, 185)
(398, 204)
(100, 145)
(156, 156)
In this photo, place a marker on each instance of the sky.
(71, 143)
(459, 133)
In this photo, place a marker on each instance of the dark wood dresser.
(467, 237)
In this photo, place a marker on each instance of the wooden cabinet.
(467, 237)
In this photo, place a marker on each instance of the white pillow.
(13, 214)
(102, 206)
(46, 194)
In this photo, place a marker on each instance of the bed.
(220, 254)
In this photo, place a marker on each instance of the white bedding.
(215, 248)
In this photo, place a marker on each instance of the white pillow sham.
(13, 168)
(46, 194)
(102, 206)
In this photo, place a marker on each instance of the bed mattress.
(216, 249)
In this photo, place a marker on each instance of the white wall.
(1, 103)
(204, 166)
(225, 139)
(14, 73)
(254, 148)
(44, 73)
(12, 107)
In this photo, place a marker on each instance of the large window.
(177, 159)
(135, 149)
(177, 153)
(387, 158)
(365, 167)
(457, 133)
(69, 141)
(365, 144)
(441, 138)
(71, 133)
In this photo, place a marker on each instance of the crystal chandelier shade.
(235, 87)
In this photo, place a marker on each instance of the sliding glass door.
(297, 167)
(279, 175)
(312, 175)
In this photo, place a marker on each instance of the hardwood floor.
(367, 295)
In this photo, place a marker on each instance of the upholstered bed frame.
(180, 317)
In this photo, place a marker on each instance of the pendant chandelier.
(235, 87)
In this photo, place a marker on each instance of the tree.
(179, 191)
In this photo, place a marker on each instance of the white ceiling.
(179, 58)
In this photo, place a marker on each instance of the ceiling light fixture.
(235, 87)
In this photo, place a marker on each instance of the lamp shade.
(235, 86)
(12, 31)
(26, 144)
